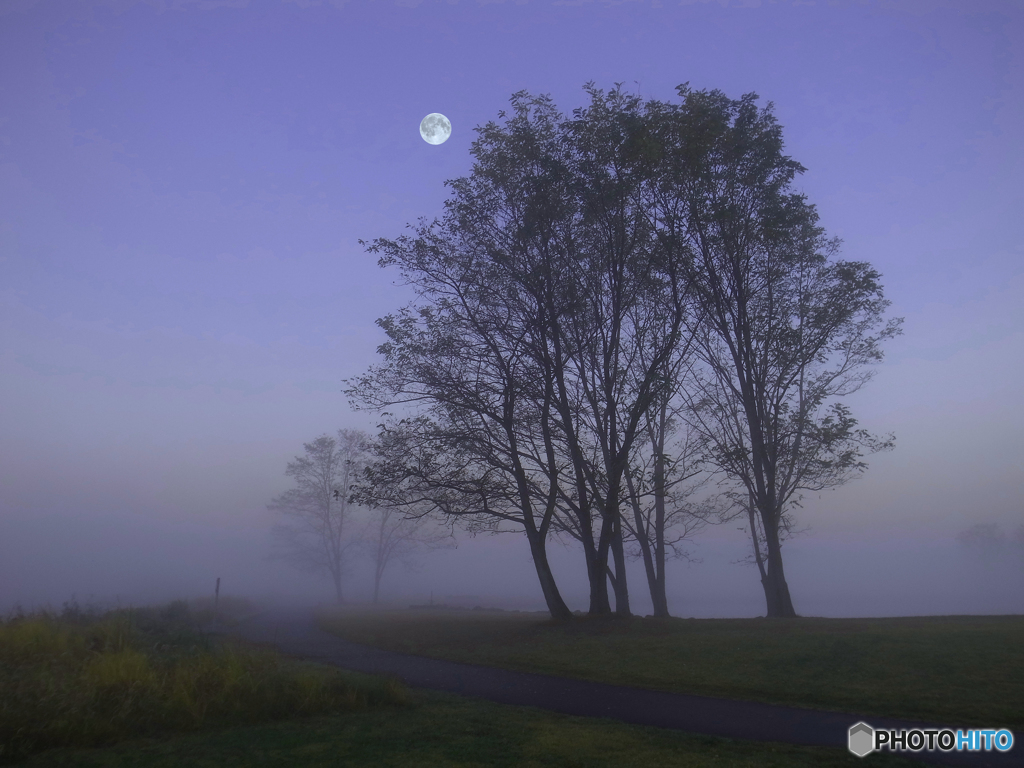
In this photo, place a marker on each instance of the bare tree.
(988, 541)
(393, 536)
(317, 533)
(983, 537)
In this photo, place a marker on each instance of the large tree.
(478, 448)
(628, 317)
(316, 531)
(538, 290)
(784, 329)
(586, 272)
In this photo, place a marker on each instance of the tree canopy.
(593, 274)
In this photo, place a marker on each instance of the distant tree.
(317, 532)
(987, 538)
(392, 536)
(988, 542)
(783, 329)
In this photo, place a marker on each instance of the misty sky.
(183, 184)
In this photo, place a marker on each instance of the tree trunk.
(655, 569)
(556, 605)
(597, 572)
(376, 585)
(654, 556)
(659, 597)
(751, 513)
(337, 586)
(380, 560)
(654, 560)
(776, 590)
(619, 557)
(646, 554)
(596, 558)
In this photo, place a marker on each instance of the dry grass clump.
(90, 679)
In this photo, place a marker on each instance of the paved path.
(294, 632)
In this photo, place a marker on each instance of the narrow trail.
(294, 632)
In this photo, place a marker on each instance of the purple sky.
(182, 188)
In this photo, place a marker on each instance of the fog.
(120, 560)
(182, 188)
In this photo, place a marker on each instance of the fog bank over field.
(108, 560)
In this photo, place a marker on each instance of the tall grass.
(83, 678)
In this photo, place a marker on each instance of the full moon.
(435, 128)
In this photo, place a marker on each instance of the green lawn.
(444, 730)
(107, 680)
(958, 670)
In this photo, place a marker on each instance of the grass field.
(956, 670)
(85, 678)
(445, 731)
(145, 688)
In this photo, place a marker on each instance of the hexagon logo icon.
(861, 739)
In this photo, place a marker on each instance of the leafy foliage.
(592, 270)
